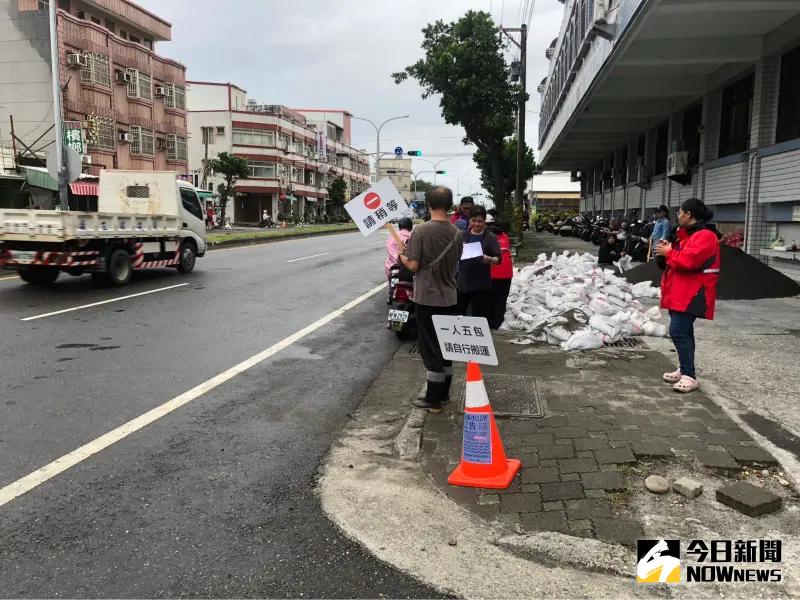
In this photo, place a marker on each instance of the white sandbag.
(645, 289)
(585, 339)
(624, 264)
(600, 306)
(654, 313)
(654, 329)
(610, 326)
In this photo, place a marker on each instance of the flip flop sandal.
(686, 385)
(673, 377)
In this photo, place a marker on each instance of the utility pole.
(57, 110)
(205, 131)
(521, 147)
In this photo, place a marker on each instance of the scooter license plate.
(398, 316)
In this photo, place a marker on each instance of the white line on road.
(66, 310)
(9, 278)
(307, 257)
(59, 465)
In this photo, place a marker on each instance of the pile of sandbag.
(569, 300)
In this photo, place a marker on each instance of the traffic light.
(414, 152)
(441, 172)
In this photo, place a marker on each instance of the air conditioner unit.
(123, 77)
(86, 159)
(162, 144)
(126, 137)
(75, 60)
(678, 164)
(160, 91)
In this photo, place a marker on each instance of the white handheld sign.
(378, 205)
(465, 339)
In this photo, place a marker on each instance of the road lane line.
(59, 465)
(9, 278)
(66, 310)
(307, 257)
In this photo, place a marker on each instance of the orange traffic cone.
(483, 459)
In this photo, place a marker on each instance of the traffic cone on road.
(483, 458)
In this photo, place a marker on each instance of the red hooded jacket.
(505, 269)
(689, 283)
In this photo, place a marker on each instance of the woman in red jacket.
(501, 275)
(689, 284)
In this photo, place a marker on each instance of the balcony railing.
(575, 45)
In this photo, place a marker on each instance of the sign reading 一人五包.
(377, 206)
(465, 339)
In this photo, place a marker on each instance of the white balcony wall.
(780, 177)
(726, 184)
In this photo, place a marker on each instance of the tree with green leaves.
(464, 64)
(508, 157)
(337, 194)
(232, 168)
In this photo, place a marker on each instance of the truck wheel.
(188, 257)
(119, 267)
(39, 275)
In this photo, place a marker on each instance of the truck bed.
(61, 226)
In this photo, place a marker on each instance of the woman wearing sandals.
(689, 284)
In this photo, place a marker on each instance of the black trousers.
(500, 289)
(439, 371)
(479, 303)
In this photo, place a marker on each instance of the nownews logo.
(659, 561)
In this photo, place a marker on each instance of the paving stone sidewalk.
(605, 412)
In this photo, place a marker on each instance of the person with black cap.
(661, 230)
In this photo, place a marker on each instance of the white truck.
(145, 220)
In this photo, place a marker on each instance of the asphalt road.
(215, 499)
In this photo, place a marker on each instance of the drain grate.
(511, 396)
(413, 349)
(629, 343)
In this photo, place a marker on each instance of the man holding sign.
(433, 254)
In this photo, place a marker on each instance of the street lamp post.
(378, 138)
(458, 182)
(435, 165)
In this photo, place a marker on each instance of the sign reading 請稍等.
(465, 339)
(377, 206)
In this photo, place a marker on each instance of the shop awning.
(203, 195)
(40, 178)
(291, 198)
(83, 189)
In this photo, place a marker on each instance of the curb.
(257, 241)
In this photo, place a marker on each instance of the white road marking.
(307, 257)
(59, 465)
(66, 310)
(9, 278)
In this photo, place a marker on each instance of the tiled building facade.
(292, 158)
(129, 101)
(635, 91)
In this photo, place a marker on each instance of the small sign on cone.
(483, 459)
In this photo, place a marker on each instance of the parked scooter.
(402, 314)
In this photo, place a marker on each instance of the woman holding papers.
(481, 252)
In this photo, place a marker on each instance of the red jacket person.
(689, 285)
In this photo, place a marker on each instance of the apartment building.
(652, 102)
(401, 173)
(291, 160)
(127, 102)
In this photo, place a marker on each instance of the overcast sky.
(340, 54)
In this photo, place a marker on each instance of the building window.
(175, 97)
(143, 141)
(134, 39)
(737, 110)
(97, 70)
(43, 5)
(789, 101)
(81, 14)
(692, 122)
(123, 35)
(95, 20)
(176, 147)
(220, 131)
(249, 137)
(261, 170)
(100, 133)
(309, 177)
(208, 135)
(110, 25)
(662, 147)
(140, 85)
(297, 175)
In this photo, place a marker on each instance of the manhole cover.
(511, 395)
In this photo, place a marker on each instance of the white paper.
(472, 250)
